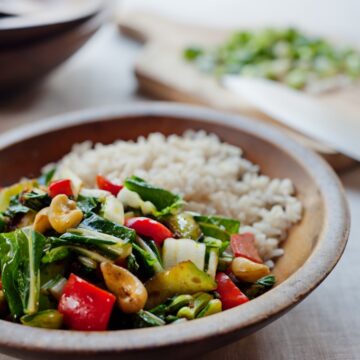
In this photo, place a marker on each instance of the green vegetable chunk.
(20, 253)
(144, 319)
(214, 306)
(35, 199)
(164, 201)
(227, 224)
(200, 302)
(260, 286)
(47, 319)
(184, 226)
(183, 278)
(97, 223)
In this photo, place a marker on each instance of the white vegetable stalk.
(213, 262)
(99, 194)
(133, 200)
(177, 250)
(113, 210)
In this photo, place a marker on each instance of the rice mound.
(212, 176)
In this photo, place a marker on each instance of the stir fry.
(118, 256)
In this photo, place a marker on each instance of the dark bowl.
(312, 248)
(50, 19)
(25, 64)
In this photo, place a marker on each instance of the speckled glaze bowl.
(312, 248)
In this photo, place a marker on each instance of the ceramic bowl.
(312, 248)
(31, 49)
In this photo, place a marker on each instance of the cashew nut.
(64, 214)
(41, 222)
(248, 270)
(129, 290)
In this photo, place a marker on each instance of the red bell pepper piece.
(105, 184)
(85, 306)
(230, 294)
(62, 186)
(243, 245)
(149, 228)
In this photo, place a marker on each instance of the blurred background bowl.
(35, 43)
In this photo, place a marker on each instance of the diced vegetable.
(229, 225)
(260, 286)
(76, 182)
(55, 287)
(176, 251)
(164, 201)
(20, 253)
(62, 186)
(35, 199)
(214, 231)
(151, 255)
(184, 226)
(247, 270)
(47, 319)
(145, 319)
(107, 185)
(183, 278)
(214, 306)
(243, 245)
(129, 290)
(200, 302)
(113, 210)
(108, 244)
(230, 294)
(133, 200)
(88, 204)
(149, 228)
(85, 306)
(8, 192)
(97, 223)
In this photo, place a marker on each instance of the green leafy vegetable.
(97, 223)
(164, 201)
(16, 207)
(227, 224)
(214, 232)
(88, 204)
(145, 319)
(21, 253)
(56, 254)
(35, 199)
(260, 287)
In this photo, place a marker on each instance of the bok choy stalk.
(164, 201)
(148, 255)
(107, 244)
(177, 250)
(20, 253)
(97, 223)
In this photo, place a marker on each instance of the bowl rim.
(38, 20)
(259, 311)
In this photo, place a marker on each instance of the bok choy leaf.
(165, 201)
(21, 253)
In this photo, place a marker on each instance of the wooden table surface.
(326, 325)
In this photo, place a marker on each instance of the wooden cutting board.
(163, 74)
